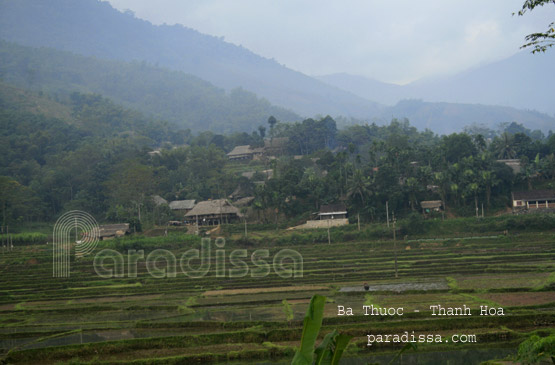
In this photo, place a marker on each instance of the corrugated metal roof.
(534, 195)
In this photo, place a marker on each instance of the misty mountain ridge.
(446, 118)
(94, 28)
(185, 100)
(521, 81)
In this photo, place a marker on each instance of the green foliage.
(535, 349)
(540, 41)
(85, 152)
(28, 238)
(287, 310)
(331, 348)
(311, 327)
(415, 224)
(180, 98)
(370, 300)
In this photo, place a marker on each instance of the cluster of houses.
(204, 213)
(272, 147)
(222, 211)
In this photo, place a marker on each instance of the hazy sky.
(394, 41)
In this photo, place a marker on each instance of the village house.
(213, 212)
(514, 164)
(110, 231)
(240, 153)
(333, 211)
(535, 199)
(158, 200)
(272, 147)
(182, 207)
(429, 206)
(245, 152)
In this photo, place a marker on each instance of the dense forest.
(83, 151)
(160, 93)
(94, 28)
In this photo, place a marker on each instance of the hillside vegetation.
(185, 100)
(94, 28)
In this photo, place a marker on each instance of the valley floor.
(86, 318)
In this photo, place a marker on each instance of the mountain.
(185, 100)
(523, 81)
(94, 28)
(371, 89)
(160, 70)
(446, 118)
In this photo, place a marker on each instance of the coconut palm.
(359, 187)
(504, 146)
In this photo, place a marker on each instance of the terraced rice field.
(215, 318)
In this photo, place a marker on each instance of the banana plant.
(331, 348)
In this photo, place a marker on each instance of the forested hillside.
(82, 151)
(94, 28)
(174, 96)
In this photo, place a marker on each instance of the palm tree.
(442, 181)
(489, 180)
(359, 186)
(504, 146)
(412, 186)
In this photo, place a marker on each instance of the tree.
(504, 146)
(456, 146)
(542, 40)
(272, 121)
(16, 201)
(359, 187)
(412, 186)
(130, 185)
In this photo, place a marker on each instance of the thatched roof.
(278, 142)
(240, 150)
(213, 207)
(534, 195)
(514, 164)
(243, 202)
(257, 150)
(113, 230)
(431, 204)
(158, 200)
(182, 204)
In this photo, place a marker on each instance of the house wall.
(323, 224)
(334, 216)
(533, 204)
